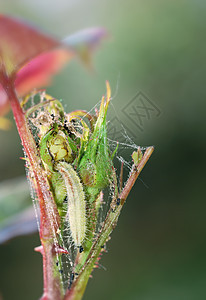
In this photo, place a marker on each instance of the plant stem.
(49, 223)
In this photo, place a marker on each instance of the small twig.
(121, 177)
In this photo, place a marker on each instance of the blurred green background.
(158, 250)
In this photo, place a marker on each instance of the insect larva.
(76, 212)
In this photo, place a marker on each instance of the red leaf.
(38, 72)
(19, 43)
(30, 57)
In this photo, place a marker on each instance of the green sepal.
(95, 167)
(44, 151)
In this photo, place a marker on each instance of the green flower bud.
(54, 146)
(59, 147)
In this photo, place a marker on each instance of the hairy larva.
(76, 212)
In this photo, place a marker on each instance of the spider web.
(66, 263)
(125, 144)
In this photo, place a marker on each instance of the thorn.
(39, 249)
(60, 250)
(23, 158)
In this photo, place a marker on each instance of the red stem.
(136, 170)
(48, 226)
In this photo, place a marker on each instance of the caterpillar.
(76, 211)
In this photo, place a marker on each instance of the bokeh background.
(158, 250)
